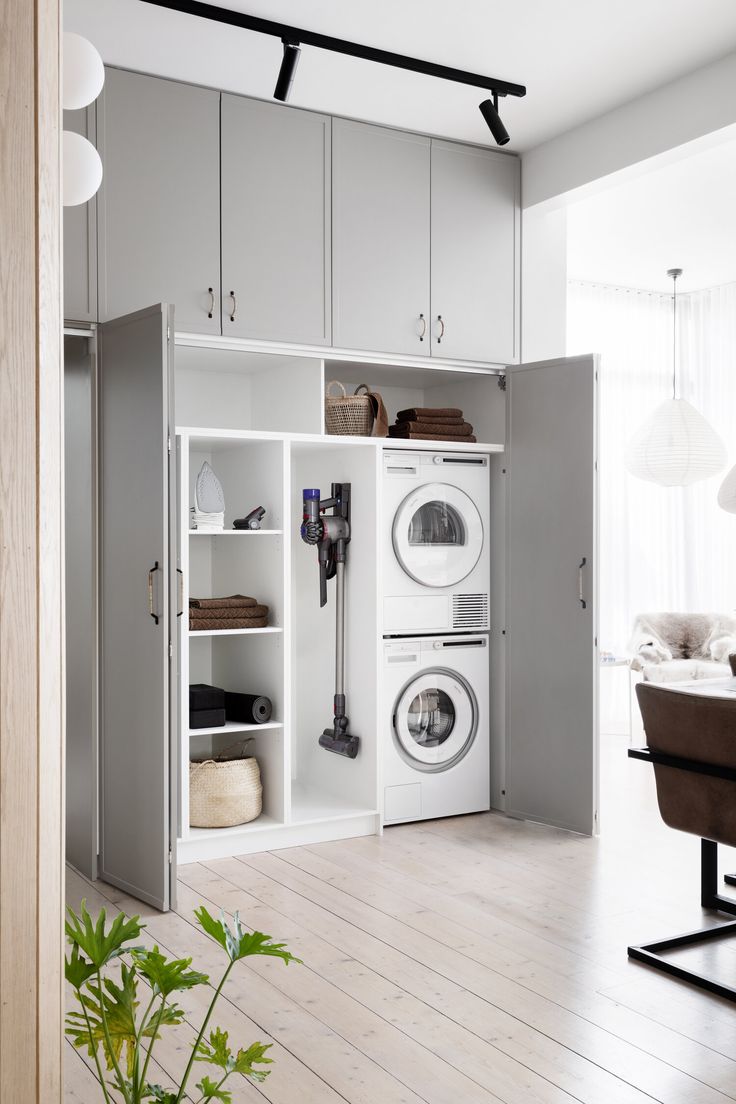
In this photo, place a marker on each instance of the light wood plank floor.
(462, 961)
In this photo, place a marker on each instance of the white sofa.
(682, 647)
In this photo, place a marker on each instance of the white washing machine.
(436, 560)
(435, 745)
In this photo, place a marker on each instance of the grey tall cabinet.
(295, 248)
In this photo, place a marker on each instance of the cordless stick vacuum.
(331, 534)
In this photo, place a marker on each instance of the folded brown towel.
(234, 600)
(228, 613)
(430, 437)
(447, 429)
(430, 413)
(207, 624)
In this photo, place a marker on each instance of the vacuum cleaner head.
(341, 745)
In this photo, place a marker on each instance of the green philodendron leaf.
(77, 969)
(245, 1060)
(239, 943)
(167, 975)
(97, 943)
(217, 1052)
(119, 1003)
(156, 1092)
(210, 1090)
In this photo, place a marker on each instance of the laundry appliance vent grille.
(470, 611)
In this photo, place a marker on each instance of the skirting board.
(272, 839)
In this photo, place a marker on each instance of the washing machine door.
(437, 535)
(435, 720)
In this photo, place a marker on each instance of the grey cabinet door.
(137, 719)
(475, 200)
(551, 599)
(275, 222)
(159, 203)
(80, 236)
(380, 239)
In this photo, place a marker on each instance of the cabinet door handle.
(423, 331)
(180, 603)
(211, 294)
(442, 328)
(150, 592)
(581, 598)
(235, 306)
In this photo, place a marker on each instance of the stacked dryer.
(436, 601)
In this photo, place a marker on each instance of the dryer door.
(435, 720)
(438, 535)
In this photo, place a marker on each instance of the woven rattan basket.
(224, 793)
(348, 415)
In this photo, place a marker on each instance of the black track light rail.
(299, 37)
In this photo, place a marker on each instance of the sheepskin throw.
(662, 637)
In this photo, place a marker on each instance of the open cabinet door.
(552, 601)
(138, 606)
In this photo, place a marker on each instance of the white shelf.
(260, 824)
(238, 533)
(234, 726)
(233, 632)
(210, 438)
(310, 805)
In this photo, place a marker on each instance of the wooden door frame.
(31, 613)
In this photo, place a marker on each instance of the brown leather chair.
(691, 741)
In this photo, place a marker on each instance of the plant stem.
(100, 1076)
(139, 1082)
(108, 1040)
(202, 1030)
(153, 1038)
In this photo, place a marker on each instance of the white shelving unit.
(308, 794)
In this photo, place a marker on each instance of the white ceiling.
(578, 58)
(680, 216)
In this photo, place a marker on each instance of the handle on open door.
(581, 597)
(150, 592)
(180, 603)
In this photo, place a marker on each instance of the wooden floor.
(461, 961)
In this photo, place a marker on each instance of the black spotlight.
(290, 60)
(489, 111)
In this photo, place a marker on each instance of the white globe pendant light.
(83, 72)
(81, 169)
(675, 446)
(727, 492)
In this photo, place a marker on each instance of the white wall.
(685, 110)
(543, 284)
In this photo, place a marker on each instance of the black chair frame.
(653, 954)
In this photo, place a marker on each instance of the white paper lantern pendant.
(675, 446)
(83, 78)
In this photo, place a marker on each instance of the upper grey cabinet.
(275, 222)
(80, 237)
(159, 204)
(474, 253)
(380, 239)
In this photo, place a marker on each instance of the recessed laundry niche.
(322, 781)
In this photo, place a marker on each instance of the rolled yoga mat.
(248, 708)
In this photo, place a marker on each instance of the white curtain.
(661, 548)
